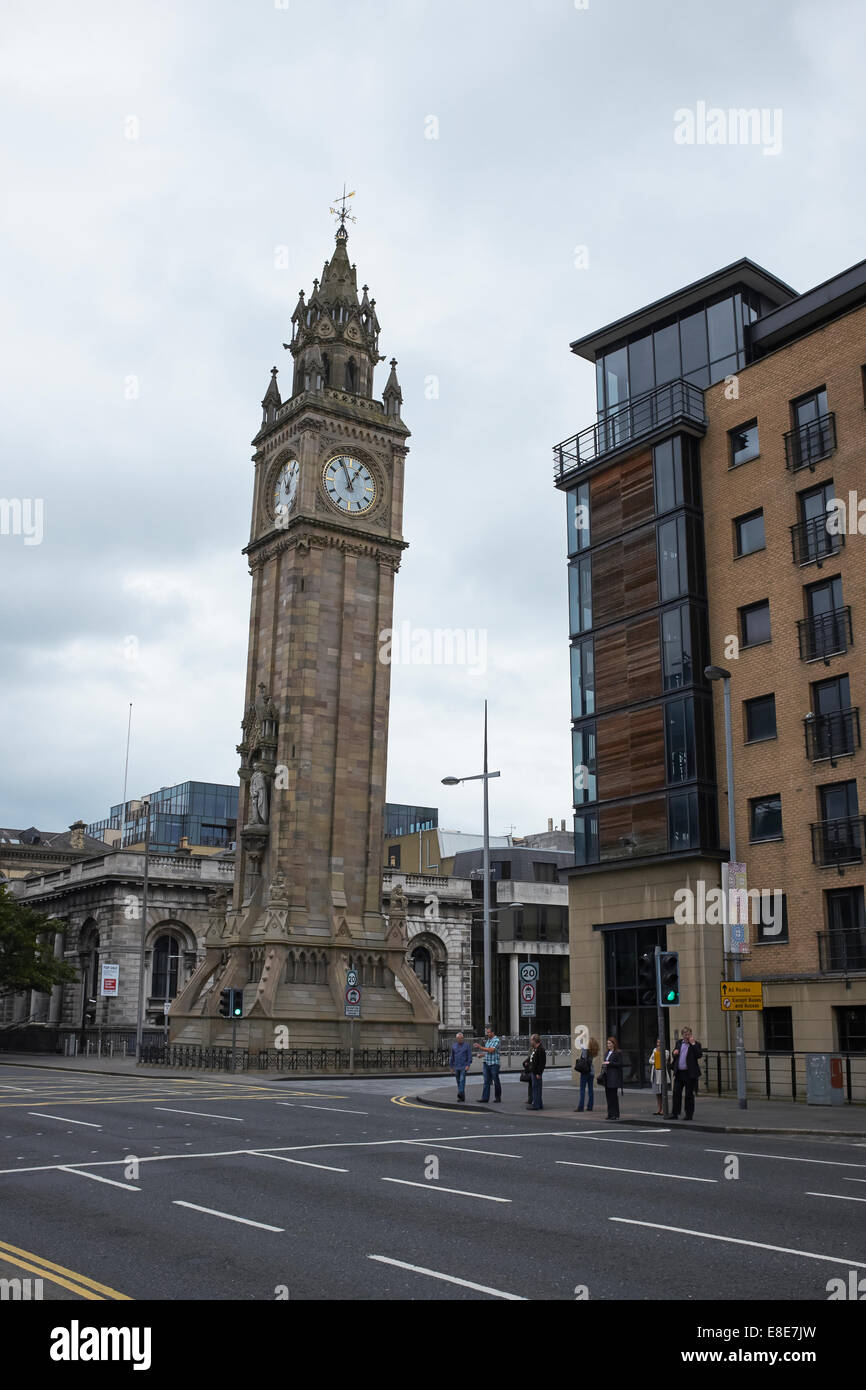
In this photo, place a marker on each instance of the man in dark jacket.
(684, 1064)
(537, 1063)
(460, 1061)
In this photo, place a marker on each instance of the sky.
(169, 169)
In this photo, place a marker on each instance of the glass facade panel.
(693, 342)
(672, 559)
(680, 740)
(640, 366)
(582, 679)
(580, 595)
(721, 330)
(583, 749)
(666, 343)
(577, 502)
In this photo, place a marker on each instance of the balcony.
(812, 543)
(828, 634)
(809, 443)
(837, 842)
(665, 408)
(832, 736)
(844, 949)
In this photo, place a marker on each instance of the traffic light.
(226, 1003)
(237, 1003)
(646, 979)
(669, 977)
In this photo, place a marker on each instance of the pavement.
(126, 1186)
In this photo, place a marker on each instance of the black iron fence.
(825, 635)
(832, 735)
(662, 407)
(778, 1075)
(810, 442)
(297, 1059)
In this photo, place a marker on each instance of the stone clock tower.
(325, 545)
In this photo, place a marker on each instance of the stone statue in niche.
(258, 797)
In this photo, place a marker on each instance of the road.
(135, 1187)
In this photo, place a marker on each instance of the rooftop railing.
(664, 407)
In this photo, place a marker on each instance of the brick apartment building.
(730, 414)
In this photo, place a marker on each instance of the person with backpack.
(584, 1068)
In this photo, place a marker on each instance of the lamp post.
(718, 673)
(142, 983)
(484, 777)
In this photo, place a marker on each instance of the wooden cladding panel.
(628, 664)
(624, 578)
(630, 753)
(622, 497)
(633, 829)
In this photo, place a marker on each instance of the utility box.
(824, 1079)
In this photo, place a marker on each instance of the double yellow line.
(58, 1274)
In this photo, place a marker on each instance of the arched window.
(351, 375)
(423, 967)
(166, 955)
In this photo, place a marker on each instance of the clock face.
(349, 484)
(286, 488)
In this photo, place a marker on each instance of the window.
(580, 594)
(586, 838)
(673, 577)
(668, 472)
(744, 443)
(166, 955)
(765, 818)
(721, 330)
(680, 740)
(817, 533)
(394, 856)
(809, 408)
(544, 872)
(755, 623)
(838, 800)
(640, 366)
(846, 930)
(749, 532)
(584, 766)
(813, 436)
(760, 718)
(772, 923)
(693, 342)
(851, 1029)
(778, 1030)
(833, 730)
(666, 342)
(578, 519)
(582, 678)
(676, 647)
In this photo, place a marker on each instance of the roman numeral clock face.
(349, 484)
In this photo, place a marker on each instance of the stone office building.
(730, 425)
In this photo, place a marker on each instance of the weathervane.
(341, 212)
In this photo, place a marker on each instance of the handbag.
(525, 1075)
(602, 1077)
(583, 1065)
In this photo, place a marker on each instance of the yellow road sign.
(741, 995)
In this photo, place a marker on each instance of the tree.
(25, 961)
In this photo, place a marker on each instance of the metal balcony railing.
(826, 635)
(837, 841)
(666, 406)
(807, 444)
(843, 949)
(812, 543)
(832, 735)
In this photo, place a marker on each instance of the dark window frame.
(744, 429)
(747, 710)
(754, 802)
(739, 521)
(753, 608)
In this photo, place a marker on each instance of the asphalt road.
(154, 1188)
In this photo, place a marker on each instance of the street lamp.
(484, 777)
(142, 983)
(718, 673)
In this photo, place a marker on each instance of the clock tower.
(325, 544)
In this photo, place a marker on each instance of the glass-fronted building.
(203, 814)
(408, 820)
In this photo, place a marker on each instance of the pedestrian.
(490, 1047)
(537, 1063)
(611, 1075)
(585, 1066)
(684, 1061)
(460, 1061)
(655, 1061)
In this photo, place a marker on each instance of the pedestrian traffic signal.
(226, 1003)
(646, 979)
(669, 978)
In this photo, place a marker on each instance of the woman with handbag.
(584, 1068)
(655, 1063)
(611, 1077)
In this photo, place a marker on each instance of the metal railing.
(779, 1075)
(663, 407)
(298, 1059)
(838, 841)
(832, 735)
(808, 443)
(842, 950)
(812, 543)
(828, 634)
